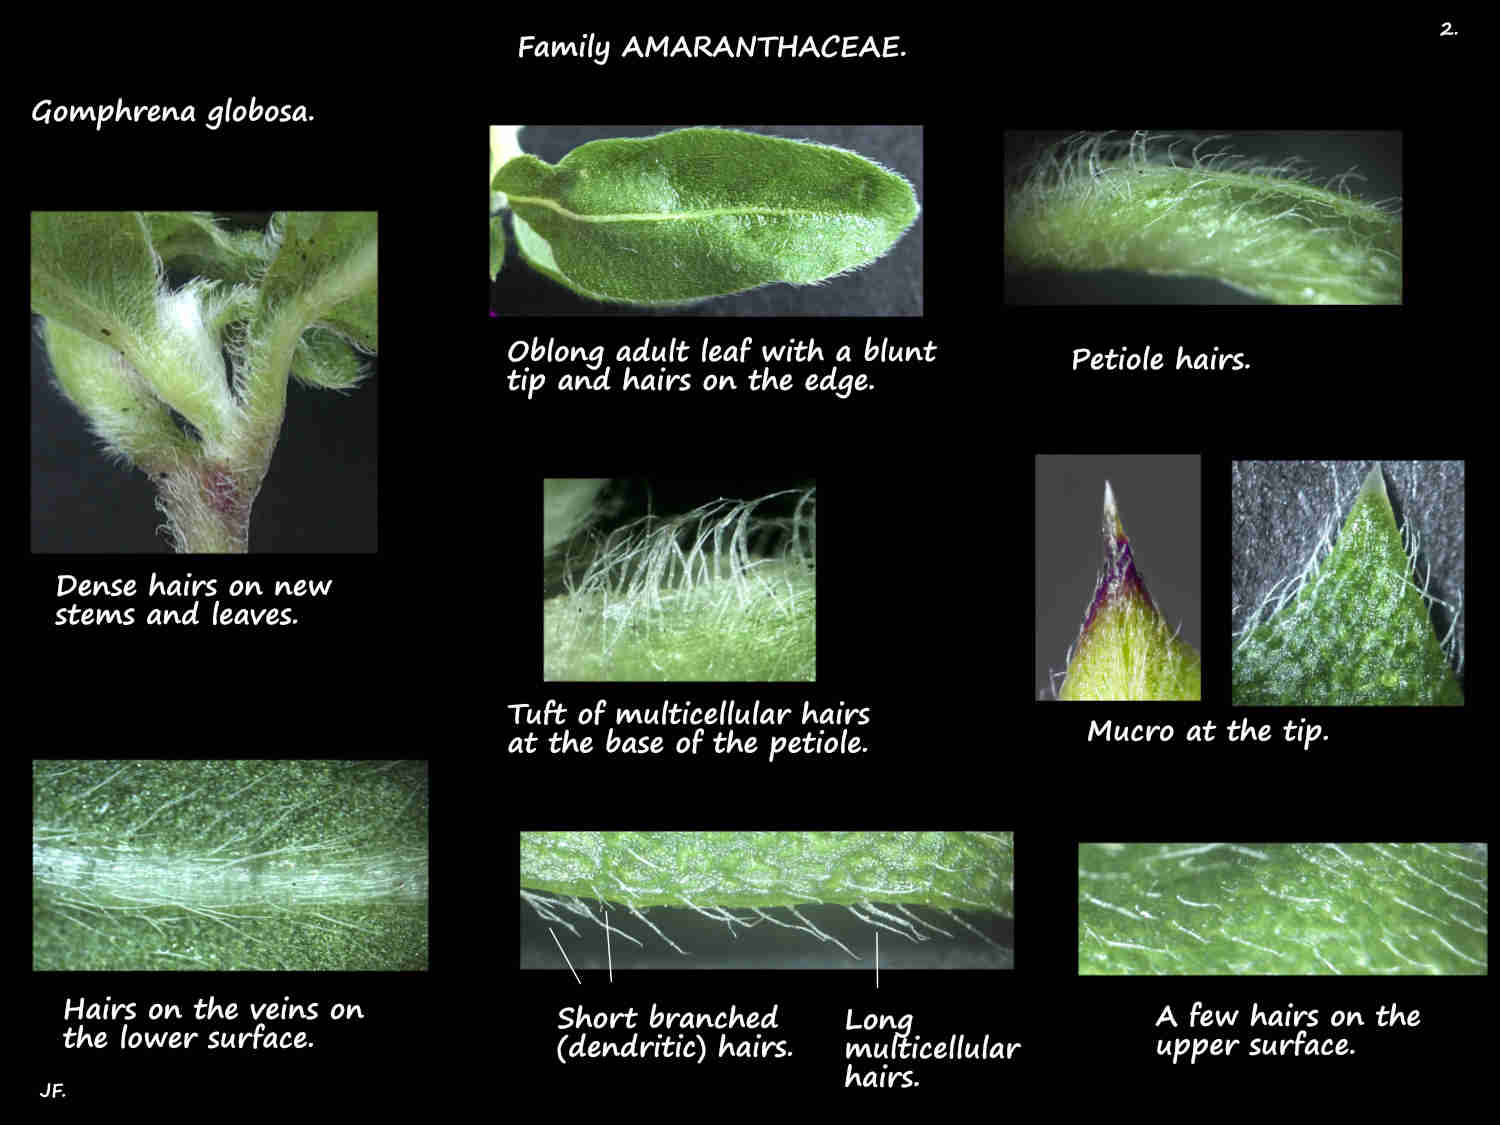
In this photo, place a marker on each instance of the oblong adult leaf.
(538, 254)
(702, 213)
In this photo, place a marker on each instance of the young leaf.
(194, 241)
(325, 264)
(324, 359)
(115, 399)
(701, 213)
(1354, 630)
(1126, 648)
(357, 320)
(97, 273)
(325, 258)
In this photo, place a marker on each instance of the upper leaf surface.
(1357, 633)
(94, 271)
(97, 272)
(325, 270)
(325, 258)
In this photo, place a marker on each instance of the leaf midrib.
(670, 216)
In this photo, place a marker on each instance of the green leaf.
(194, 241)
(1355, 630)
(325, 266)
(324, 259)
(1283, 909)
(206, 864)
(116, 400)
(538, 254)
(357, 320)
(1126, 648)
(702, 212)
(97, 273)
(504, 145)
(324, 359)
(953, 870)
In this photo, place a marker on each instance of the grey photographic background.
(1278, 508)
(1159, 500)
(891, 286)
(1377, 156)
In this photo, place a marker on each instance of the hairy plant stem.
(189, 384)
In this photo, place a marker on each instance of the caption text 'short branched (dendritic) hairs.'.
(275, 865)
(1354, 625)
(188, 382)
(918, 885)
(724, 592)
(1283, 909)
(693, 213)
(1126, 649)
(1175, 205)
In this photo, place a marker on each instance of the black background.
(922, 489)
